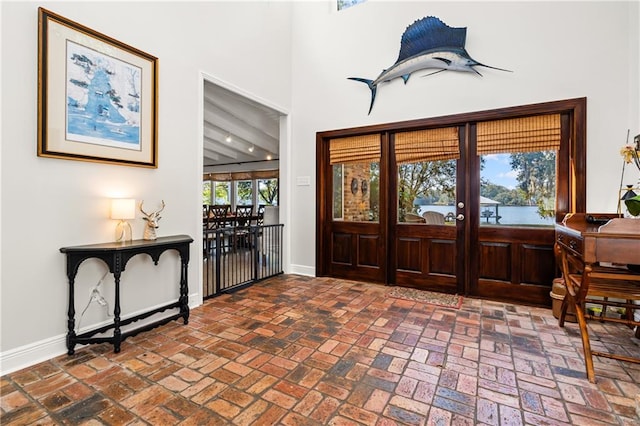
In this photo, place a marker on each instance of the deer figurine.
(152, 222)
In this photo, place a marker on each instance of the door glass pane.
(426, 192)
(338, 193)
(356, 191)
(222, 193)
(518, 188)
(244, 192)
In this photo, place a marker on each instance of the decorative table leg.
(71, 334)
(117, 333)
(184, 291)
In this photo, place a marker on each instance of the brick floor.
(296, 350)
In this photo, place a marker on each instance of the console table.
(116, 255)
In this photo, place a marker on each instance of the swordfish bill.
(428, 43)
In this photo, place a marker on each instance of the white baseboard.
(309, 271)
(31, 354)
(46, 349)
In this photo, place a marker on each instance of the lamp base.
(123, 231)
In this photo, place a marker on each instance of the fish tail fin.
(373, 87)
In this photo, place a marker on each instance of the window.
(244, 192)
(343, 4)
(426, 172)
(356, 174)
(518, 170)
(222, 193)
(206, 192)
(268, 192)
(338, 193)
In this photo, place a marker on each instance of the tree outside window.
(222, 193)
(206, 192)
(268, 192)
(244, 192)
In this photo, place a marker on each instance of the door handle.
(460, 217)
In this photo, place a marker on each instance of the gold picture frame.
(97, 97)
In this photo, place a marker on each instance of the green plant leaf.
(633, 205)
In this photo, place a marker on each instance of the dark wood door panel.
(495, 261)
(515, 293)
(409, 254)
(537, 265)
(442, 257)
(357, 252)
(426, 258)
(341, 248)
(368, 250)
(515, 264)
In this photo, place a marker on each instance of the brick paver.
(295, 350)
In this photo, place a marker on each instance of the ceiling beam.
(252, 114)
(239, 128)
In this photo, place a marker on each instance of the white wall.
(557, 50)
(50, 203)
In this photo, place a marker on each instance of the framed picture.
(97, 97)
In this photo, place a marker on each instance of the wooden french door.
(428, 254)
(510, 263)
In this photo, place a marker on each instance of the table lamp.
(123, 209)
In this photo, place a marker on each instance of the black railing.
(238, 256)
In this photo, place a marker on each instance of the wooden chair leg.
(586, 345)
(563, 310)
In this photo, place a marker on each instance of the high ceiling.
(238, 130)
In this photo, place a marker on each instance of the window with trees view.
(222, 193)
(518, 170)
(244, 192)
(206, 192)
(268, 192)
(241, 188)
(518, 188)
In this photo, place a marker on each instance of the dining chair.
(242, 222)
(260, 215)
(216, 219)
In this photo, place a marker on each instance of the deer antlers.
(151, 214)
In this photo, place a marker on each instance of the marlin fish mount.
(428, 43)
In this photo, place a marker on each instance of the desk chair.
(604, 286)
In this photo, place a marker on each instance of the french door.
(375, 223)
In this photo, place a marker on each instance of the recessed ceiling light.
(251, 149)
(269, 157)
(228, 138)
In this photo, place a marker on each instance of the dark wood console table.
(116, 255)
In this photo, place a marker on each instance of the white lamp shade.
(123, 208)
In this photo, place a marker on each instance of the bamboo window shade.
(229, 176)
(427, 145)
(526, 134)
(355, 149)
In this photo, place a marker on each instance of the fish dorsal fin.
(427, 34)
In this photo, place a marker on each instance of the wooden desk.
(116, 255)
(593, 259)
